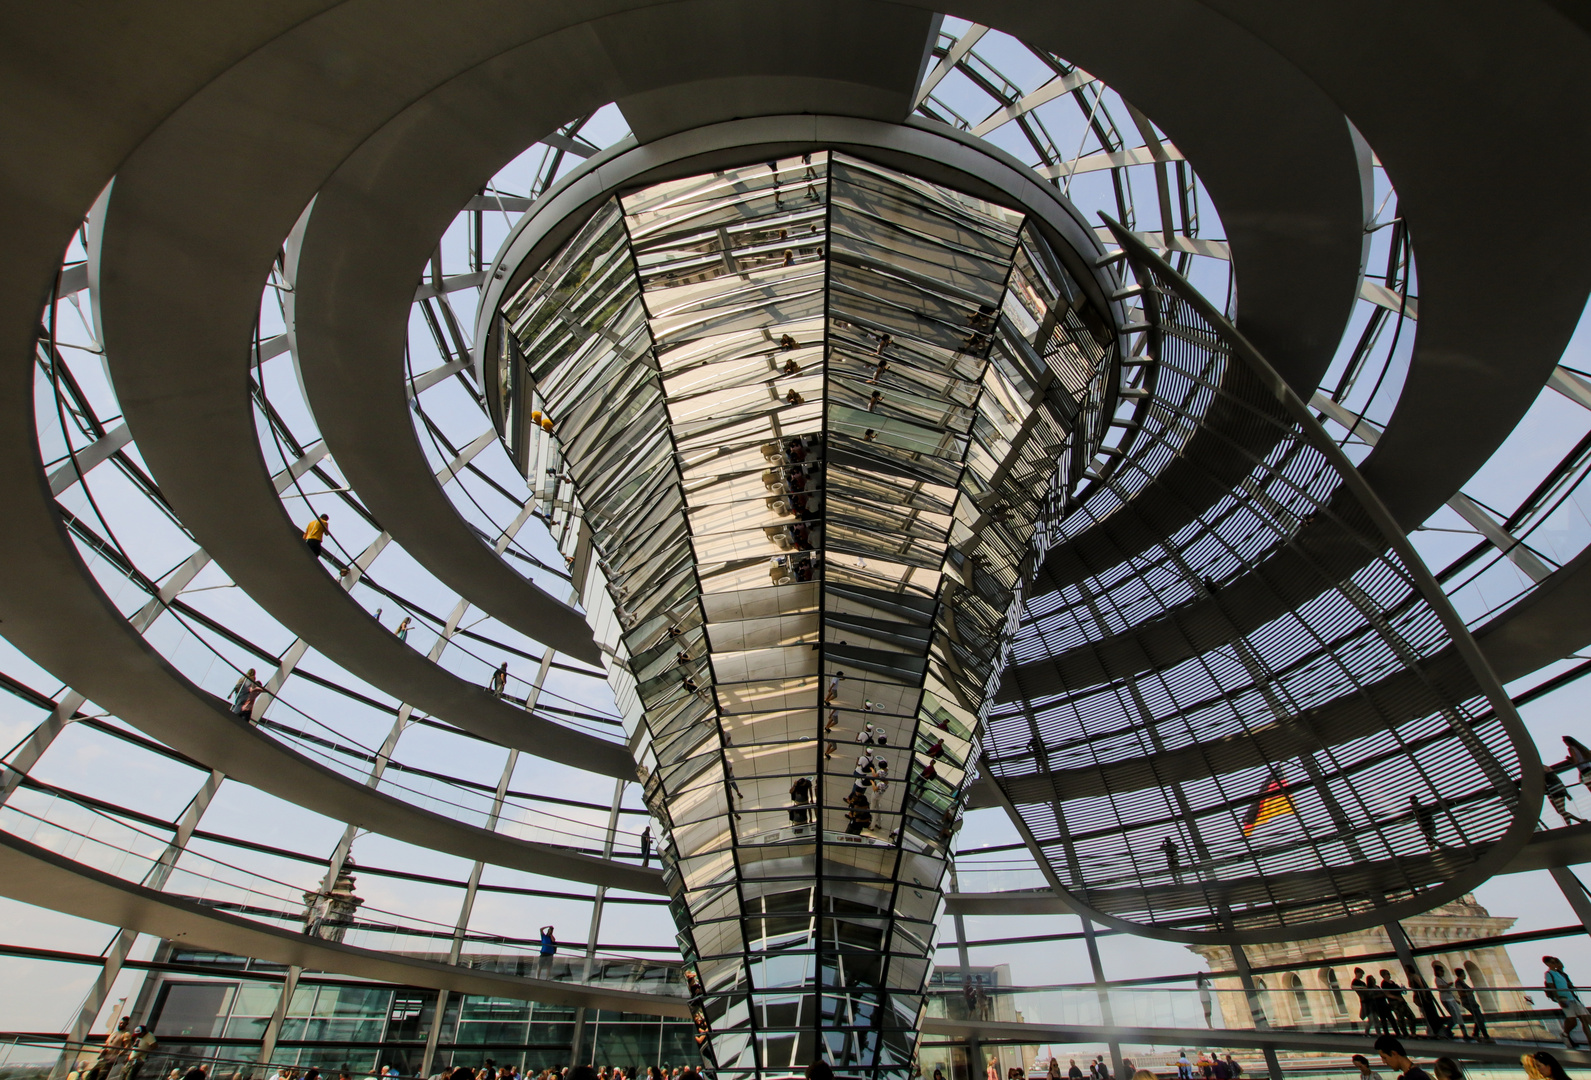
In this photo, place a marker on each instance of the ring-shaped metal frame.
(918, 148)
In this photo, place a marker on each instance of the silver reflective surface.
(812, 413)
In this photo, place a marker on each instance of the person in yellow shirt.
(315, 534)
(143, 1041)
(115, 1043)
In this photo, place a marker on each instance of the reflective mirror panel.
(815, 416)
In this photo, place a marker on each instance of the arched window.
(1300, 998)
(1328, 979)
(1478, 981)
(1257, 1002)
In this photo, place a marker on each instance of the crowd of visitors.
(1208, 1064)
(490, 1070)
(124, 1053)
(1384, 1003)
(127, 1056)
(1538, 1065)
(1394, 1059)
(127, 1049)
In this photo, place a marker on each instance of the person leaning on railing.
(115, 1043)
(143, 1042)
(315, 534)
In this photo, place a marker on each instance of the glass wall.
(333, 1022)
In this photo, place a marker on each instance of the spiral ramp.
(338, 154)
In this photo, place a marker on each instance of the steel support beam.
(595, 930)
(1061, 84)
(974, 1051)
(121, 946)
(467, 908)
(273, 1029)
(1461, 504)
(1574, 892)
(1256, 1006)
(78, 465)
(27, 755)
(958, 51)
(1571, 385)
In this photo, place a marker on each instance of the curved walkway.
(1567, 846)
(1214, 465)
(1480, 357)
(1270, 146)
(159, 331)
(37, 876)
(1293, 188)
(196, 433)
(1488, 336)
(167, 317)
(378, 218)
(1551, 622)
(59, 617)
(1444, 679)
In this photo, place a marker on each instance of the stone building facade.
(1320, 995)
